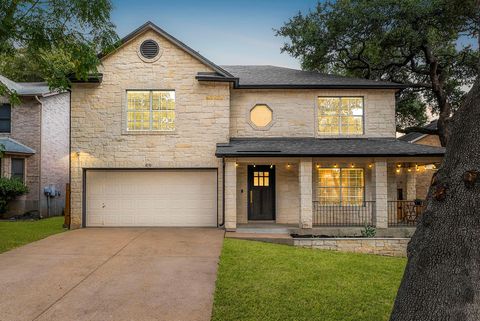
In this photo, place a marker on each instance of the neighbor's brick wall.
(26, 130)
(379, 246)
(294, 112)
(202, 116)
(55, 149)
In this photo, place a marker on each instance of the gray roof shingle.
(412, 137)
(280, 77)
(12, 146)
(309, 146)
(25, 88)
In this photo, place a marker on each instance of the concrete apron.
(112, 274)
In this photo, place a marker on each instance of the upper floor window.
(340, 115)
(150, 110)
(261, 115)
(5, 118)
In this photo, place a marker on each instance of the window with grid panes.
(152, 110)
(340, 115)
(340, 186)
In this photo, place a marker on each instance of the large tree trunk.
(442, 277)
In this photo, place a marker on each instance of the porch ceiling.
(316, 147)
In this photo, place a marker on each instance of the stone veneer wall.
(379, 246)
(294, 112)
(99, 139)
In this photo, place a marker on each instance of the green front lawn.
(260, 281)
(14, 234)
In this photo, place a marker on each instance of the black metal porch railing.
(343, 215)
(405, 213)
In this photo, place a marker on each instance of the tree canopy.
(428, 45)
(53, 39)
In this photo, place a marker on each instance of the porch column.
(411, 185)
(381, 191)
(306, 187)
(230, 195)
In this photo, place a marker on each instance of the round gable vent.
(149, 49)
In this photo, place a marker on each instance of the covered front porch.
(325, 193)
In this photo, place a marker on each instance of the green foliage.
(369, 231)
(269, 282)
(51, 40)
(14, 234)
(430, 45)
(411, 110)
(10, 188)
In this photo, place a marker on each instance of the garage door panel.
(151, 198)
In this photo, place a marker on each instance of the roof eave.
(236, 154)
(316, 86)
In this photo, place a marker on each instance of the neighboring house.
(424, 175)
(35, 136)
(164, 137)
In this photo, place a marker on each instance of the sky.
(227, 32)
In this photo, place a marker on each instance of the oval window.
(261, 115)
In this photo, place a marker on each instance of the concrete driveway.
(137, 274)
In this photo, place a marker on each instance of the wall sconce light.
(254, 165)
(399, 165)
(417, 168)
(398, 170)
(271, 166)
(288, 165)
(318, 165)
(409, 170)
(370, 165)
(352, 165)
(335, 165)
(236, 164)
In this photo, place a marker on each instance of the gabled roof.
(273, 77)
(319, 147)
(26, 88)
(151, 26)
(11, 146)
(414, 136)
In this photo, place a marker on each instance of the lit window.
(261, 115)
(151, 110)
(261, 179)
(340, 115)
(340, 186)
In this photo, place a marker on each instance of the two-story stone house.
(164, 137)
(35, 138)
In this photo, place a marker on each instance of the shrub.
(10, 188)
(369, 231)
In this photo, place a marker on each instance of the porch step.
(276, 238)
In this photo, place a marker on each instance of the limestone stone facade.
(208, 113)
(42, 125)
(99, 139)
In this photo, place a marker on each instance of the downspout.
(223, 193)
(40, 165)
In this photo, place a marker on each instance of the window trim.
(255, 127)
(341, 204)
(9, 119)
(24, 168)
(126, 131)
(339, 134)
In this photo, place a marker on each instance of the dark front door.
(261, 192)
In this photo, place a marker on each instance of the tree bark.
(442, 278)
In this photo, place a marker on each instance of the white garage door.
(151, 198)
